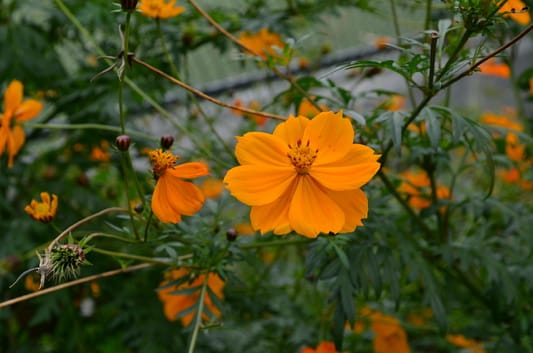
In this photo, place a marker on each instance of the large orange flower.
(305, 176)
(160, 8)
(174, 196)
(517, 11)
(17, 111)
(175, 302)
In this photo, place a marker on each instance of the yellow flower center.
(161, 161)
(302, 156)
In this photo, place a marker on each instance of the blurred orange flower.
(309, 110)
(389, 335)
(463, 342)
(381, 42)
(263, 43)
(531, 86)
(100, 153)
(172, 195)
(395, 102)
(517, 11)
(416, 186)
(260, 120)
(160, 8)
(212, 187)
(305, 176)
(16, 110)
(43, 211)
(323, 347)
(493, 68)
(175, 302)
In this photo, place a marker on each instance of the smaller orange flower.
(254, 105)
(160, 8)
(493, 68)
(263, 43)
(463, 342)
(16, 110)
(43, 211)
(100, 153)
(381, 42)
(323, 347)
(175, 302)
(395, 103)
(416, 185)
(517, 11)
(309, 110)
(531, 86)
(212, 187)
(172, 195)
(244, 229)
(32, 282)
(501, 121)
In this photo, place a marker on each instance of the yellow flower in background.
(212, 187)
(305, 176)
(175, 303)
(16, 110)
(160, 8)
(173, 196)
(493, 68)
(45, 210)
(264, 43)
(323, 347)
(517, 11)
(463, 342)
(309, 110)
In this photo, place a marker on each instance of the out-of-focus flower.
(420, 317)
(100, 153)
(395, 103)
(212, 187)
(175, 302)
(389, 335)
(16, 111)
(493, 68)
(244, 229)
(260, 120)
(416, 185)
(160, 8)
(517, 11)
(381, 42)
(32, 282)
(501, 121)
(467, 343)
(323, 347)
(531, 86)
(173, 196)
(305, 176)
(263, 43)
(309, 110)
(45, 210)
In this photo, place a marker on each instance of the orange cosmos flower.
(381, 42)
(416, 185)
(175, 302)
(389, 335)
(253, 104)
(517, 11)
(264, 43)
(212, 187)
(17, 111)
(531, 86)
(43, 211)
(309, 110)
(463, 342)
(395, 103)
(160, 8)
(493, 68)
(305, 176)
(174, 196)
(323, 347)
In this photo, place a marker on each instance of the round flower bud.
(128, 5)
(123, 142)
(66, 261)
(138, 207)
(231, 234)
(166, 141)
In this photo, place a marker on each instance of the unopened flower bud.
(66, 261)
(166, 141)
(138, 207)
(231, 234)
(129, 5)
(123, 142)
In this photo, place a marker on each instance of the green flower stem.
(453, 57)
(198, 319)
(147, 225)
(134, 257)
(281, 242)
(138, 187)
(427, 23)
(90, 127)
(124, 165)
(168, 57)
(108, 236)
(395, 22)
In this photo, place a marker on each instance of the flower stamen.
(161, 161)
(302, 156)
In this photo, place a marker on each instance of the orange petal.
(258, 184)
(274, 216)
(4, 134)
(174, 197)
(312, 211)
(189, 170)
(354, 204)
(13, 96)
(15, 140)
(292, 129)
(28, 110)
(261, 148)
(352, 171)
(331, 134)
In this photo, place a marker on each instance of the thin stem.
(198, 319)
(136, 257)
(147, 225)
(203, 95)
(281, 242)
(82, 221)
(429, 5)
(170, 62)
(124, 165)
(395, 21)
(74, 283)
(109, 236)
(235, 40)
(432, 58)
(455, 54)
